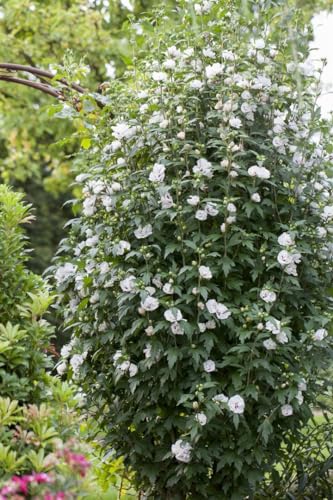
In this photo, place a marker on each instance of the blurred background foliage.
(35, 156)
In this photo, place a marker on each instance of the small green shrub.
(25, 335)
(39, 424)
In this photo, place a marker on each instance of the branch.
(39, 86)
(40, 73)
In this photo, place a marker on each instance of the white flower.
(166, 201)
(143, 232)
(115, 187)
(209, 366)
(208, 52)
(228, 55)
(302, 385)
(282, 337)
(211, 209)
(196, 84)
(123, 131)
(205, 272)
(300, 398)
(133, 370)
(150, 303)
(291, 269)
(149, 331)
(269, 344)
(76, 361)
(82, 177)
(181, 135)
(274, 326)
(124, 366)
(201, 215)
(169, 64)
(255, 197)
(107, 202)
(268, 296)
(64, 272)
(327, 213)
(157, 281)
(159, 76)
(173, 52)
(284, 258)
(121, 247)
(278, 142)
(203, 167)
(220, 310)
(158, 173)
(235, 122)
(92, 241)
(182, 451)
(117, 355)
(61, 368)
(164, 124)
(287, 410)
(202, 327)
(236, 404)
(211, 325)
(147, 351)
(128, 284)
(201, 418)
(260, 172)
(307, 68)
(168, 288)
(214, 70)
(172, 315)
(115, 145)
(193, 200)
(322, 232)
(231, 208)
(220, 398)
(262, 82)
(223, 227)
(320, 334)
(211, 305)
(177, 329)
(94, 298)
(66, 350)
(248, 109)
(285, 240)
(259, 43)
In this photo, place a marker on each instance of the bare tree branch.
(39, 86)
(39, 73)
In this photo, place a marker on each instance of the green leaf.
(265, 429)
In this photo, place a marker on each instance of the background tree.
(36, 153)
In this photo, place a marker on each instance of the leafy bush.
(196, 280)
(38, 421)
(24, 298)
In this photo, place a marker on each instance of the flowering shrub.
(196, 278)
(41, 439)
(48, 486)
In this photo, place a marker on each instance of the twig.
(41, 73)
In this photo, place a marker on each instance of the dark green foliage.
(24, 298)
